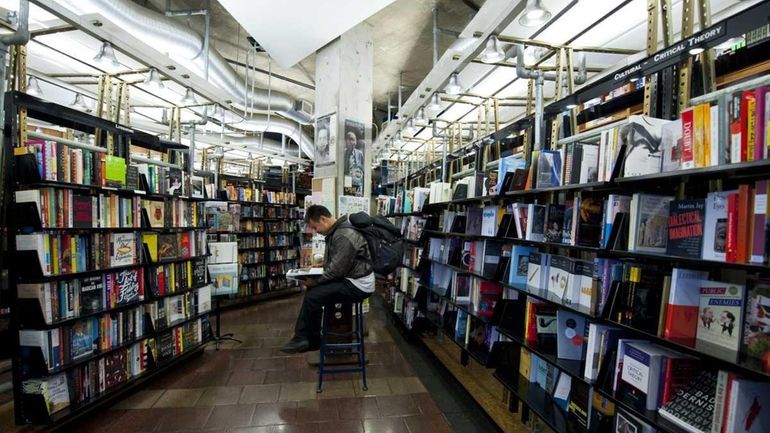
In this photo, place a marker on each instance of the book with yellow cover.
(751, 125)
(706, 113)
(151, 241)
(698, 134)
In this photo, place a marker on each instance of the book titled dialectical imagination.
(685, 228)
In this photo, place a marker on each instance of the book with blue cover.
(549, 169)
(519, 264)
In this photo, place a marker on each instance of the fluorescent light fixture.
(694, 51)
(492, 53)
(534, 14)
(189, 97)
(453, 87)
(80, 103)
(106, 56)
(33, 87)
(153, 80)
(435, 103)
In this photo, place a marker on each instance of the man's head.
(319, 219)
(322, 142)
(351, 140)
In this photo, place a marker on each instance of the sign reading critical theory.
(669, 55)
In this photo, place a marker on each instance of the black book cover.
(458, 225)
(492, 254)
(460, 192)
(554, 222)
(579, 407)
(519, 179)
(473, 221)
(644, 292)
(165, 346)
(685, 228)
(503, 269)
(511, 229)
(694, 403)
(167, 247)
(82, 211)
(589, 225)
(507, 182)
(132, 177)
(502, 229)
(91, 293)
(198, 271)
(618, 239)
(577, 162)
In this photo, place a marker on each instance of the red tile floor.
(254, 388)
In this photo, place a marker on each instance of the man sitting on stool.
(347, 277)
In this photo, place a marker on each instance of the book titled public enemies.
(685, 228)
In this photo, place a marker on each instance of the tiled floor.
(254, 388)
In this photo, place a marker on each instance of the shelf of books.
(108, 260)
(265, 227)
(624, 268)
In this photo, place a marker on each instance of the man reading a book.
(347, 276)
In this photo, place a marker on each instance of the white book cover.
(489, 221)
(748, 412)
(642, 137)
(671, 145)
(720, 319)
(619, 358)
(589, 168)
(650, 223)
(714, 135)
(449, 218)
(715, 227)
(223, 252)
(123, 249)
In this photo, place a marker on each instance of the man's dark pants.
(334, 292)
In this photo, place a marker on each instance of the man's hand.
(310, 282)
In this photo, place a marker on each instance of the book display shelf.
(107, 260)
(266, 226)
(616, 279)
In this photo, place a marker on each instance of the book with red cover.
(745, 216)
(758, 233)
(489, 292)
(748, 101)
(688, 138)
(681, 322)
(184, 244)
(677, 372)
(731, 241)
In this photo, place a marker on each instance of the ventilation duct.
(179, 41)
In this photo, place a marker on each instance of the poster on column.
(347, 204)
(325, 140)
(355, 146)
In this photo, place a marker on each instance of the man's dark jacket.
(347, 253)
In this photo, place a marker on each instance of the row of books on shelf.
(412, 227)
(171, 278)
(257, 195)
(63, 208)
(90, 381)
(66, 344)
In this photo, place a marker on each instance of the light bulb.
(106, 56)
(492, 53)
(453, 87)
(33, 87)
(153, 80)
(189, 97)
(534, 14)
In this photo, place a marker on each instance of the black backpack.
(385, 244)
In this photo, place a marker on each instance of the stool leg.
(322, 351)
(361, 349)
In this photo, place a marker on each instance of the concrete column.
(344, 70)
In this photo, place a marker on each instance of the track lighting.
(189, 97)
(80, 103)
(492, 53)
(453, 87)
(153, 80)
(106, 56)
(534, 14)
(33, 87)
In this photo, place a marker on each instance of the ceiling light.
(453, 87)
(435, 103)
(729, 43)
(694, 51)
(33, 87)
(492, 53)
(80, 103)
(410, 127)
(570, 106)
(217, 153)
(153, 80)
(269, 161)
(106, 56)
(189, 97)
(534, 14)
(419, 118)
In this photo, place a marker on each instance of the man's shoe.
(296, 345)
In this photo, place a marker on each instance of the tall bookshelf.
(97, 307)
(596, 400)
(267, 236)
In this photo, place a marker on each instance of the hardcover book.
(715, 227)
(588, 225)
(642, 138)
(692, 407)
(681, 321)
(123, 249)
(685, 228)
(549, 169)
(649, 223)
(82, 211)
(536, 222)
(473, 224)
(756, 329)
(489, 220)
(168, 248)
(671, 145)
(156, 211)
(519, 264)
(554, 223)
(747, 412)
(91, 295)
(720, 319)
(627, 423)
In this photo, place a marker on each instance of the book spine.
(688, 137)
(697, 133)
(760, 149)
(706, 134)
(734, 118)
(714, 131)
(744, 123)
(758, 227)
(731, 238)
(745, 218)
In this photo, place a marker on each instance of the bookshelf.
(108, 265)
(641, 303)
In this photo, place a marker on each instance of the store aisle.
(254, 388)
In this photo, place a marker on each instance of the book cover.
(685, 228)
(489, 292)
(549, 169)
(745, 217)
(615, 204)
(126, 286)
(473, 221)
(492, 252)
(82, 215)
(625, 422)
(122, 249)
(569, 216)
(748, 412)
(562, 390)
(199, 276)
(642, 139)
(756, 329)
(156, 211)
(681, 323)
(649, 215)
(184, 244)
(489, 220)
(520, 264)
(715, 227)
(519, 181)
(641, 374)
(84, 338)
(733, 230)
(91, 295)
(589, 167)
(554, 223)
(224, 278)
(571, 335)
(698, 130)
(693, 406)
(735, 121)
(671, 145)
(580, 408)
(758, 227)
(720, 319)
(150, 240)
(536, 222)
(558, 276)
(588, 226)
(168, 246)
